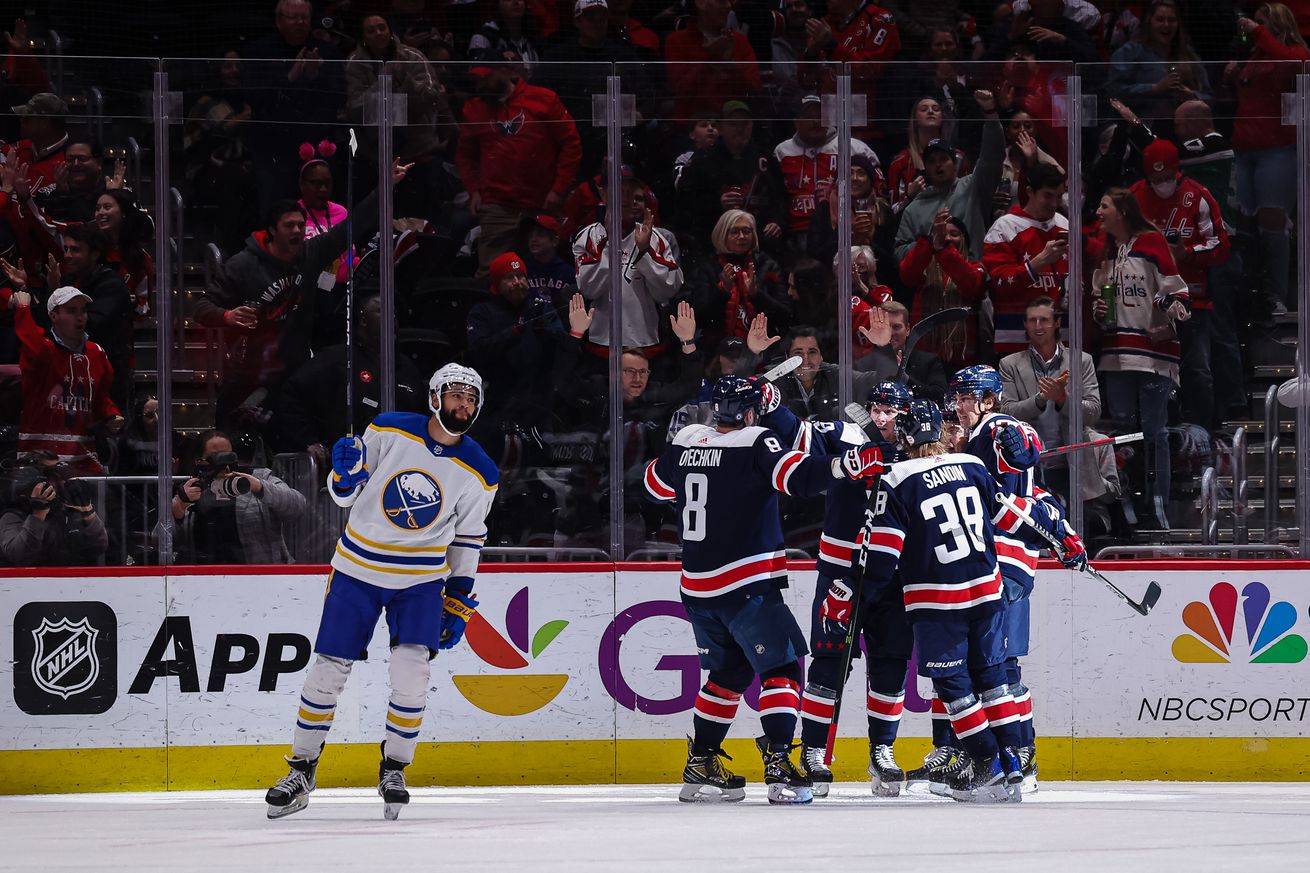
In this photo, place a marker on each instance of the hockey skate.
(995, 780)
(391, 788)
(1028, 758)
(785, 783)
(812, 766)
(886, 776)
(920, 776)
(705, 778)
(291, 793)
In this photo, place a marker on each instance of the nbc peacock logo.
(1266, 637)
(511, 693)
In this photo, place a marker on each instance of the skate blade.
(295, 805)
(885, 789)
(780, 793)
(391, 811)
(695, 793)
(1030, 785)
(821, 789)
(941, 789)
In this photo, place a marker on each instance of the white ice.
(1066, 828)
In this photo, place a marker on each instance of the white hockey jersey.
(422, 514)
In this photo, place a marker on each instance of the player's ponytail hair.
(927, 450)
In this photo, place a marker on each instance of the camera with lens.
(22, 477)
(213, 475)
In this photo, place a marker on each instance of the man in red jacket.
(1026, 255)
(42, 138)
(66, 380)
(708, 63)
(1189, 217)
(518, 154)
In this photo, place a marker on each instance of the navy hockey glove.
(348, 470)
(835, 613)
(1075, 553)
(1013, 443)
(459, 609)
(864, 464)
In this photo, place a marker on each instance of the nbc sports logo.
(510, 693)
(1265, 636)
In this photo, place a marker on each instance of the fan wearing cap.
(648, 259)
(708, 62)
(66, 380)
(968, 198)
(1188, 215)
(42, 138)
(518, 154)
(550, 276)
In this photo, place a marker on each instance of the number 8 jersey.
(726, 488)
(934, 518)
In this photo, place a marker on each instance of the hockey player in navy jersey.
(1010, 450)
(881, 622)
(934, 522)
(419, 491)
(725, 480)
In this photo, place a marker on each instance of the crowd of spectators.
(730, 256)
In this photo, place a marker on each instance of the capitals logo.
(412, 500)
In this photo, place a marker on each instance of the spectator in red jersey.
(905, 179)
(708, 63)
(66, 380)
(1139, 357)
(740, 281)
(127, 231)
(941, 275)
(859, 33)
(42, 138)
(1188, 216)
(1026, 255)
(518, 154)
(1266, 149)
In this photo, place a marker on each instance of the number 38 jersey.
(726, 489)
(934, 520)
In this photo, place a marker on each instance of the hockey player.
(419, 491)
(882, 623)
(1010, 450)
(725, 481)
(934, 522)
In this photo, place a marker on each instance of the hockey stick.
(1108, 441)
(923, 328)
(1149, 599)
(350, 301)
(780, 370)
(856, 413)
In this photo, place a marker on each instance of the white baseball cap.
(581, 6)
(62, 296)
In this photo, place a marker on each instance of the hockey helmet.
(892, 394)
(733, 396)
(976, 380)
(454, 376)
(920, 424)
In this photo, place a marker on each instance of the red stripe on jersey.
(779, 696)
(1136, 342)
(937, 708)
(714, 582)
(783, 470)
(887, 538)
(885, 708)
(817, 708)
(1003, 710)
(939, 598)
(1024, 702)
(1017, 554)
(655, 485)
(1010, 521)
(969, 722)
(835, 551)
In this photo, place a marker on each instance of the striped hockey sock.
(817, 704)
(313, 720)
(1002, 715)
(1023, 699)
(716, 707)
(403, 723)
(969, 721)
(780, 699)
(942, 735)
(884, 711)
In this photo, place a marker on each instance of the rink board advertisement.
(589, 673)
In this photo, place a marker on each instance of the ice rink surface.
(1066, 827)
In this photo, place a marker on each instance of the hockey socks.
(817, 705)
(942, 735)
(780, 698)
(886, 700)
(969, 721)
(409, 673)
(318, 705)
(1002, 715)
(716, 707)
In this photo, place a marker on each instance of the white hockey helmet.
(450, 376)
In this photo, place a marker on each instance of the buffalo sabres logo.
(511, 126)
(411, 500)
(65, 661)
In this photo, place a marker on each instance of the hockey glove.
(1075, 553)
(864, 464)
(1014, 446)
(348, 469)
(459, 608)
(835, 613)
(772, 397)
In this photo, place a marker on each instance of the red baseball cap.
(1159, 156)
(503, 266)
(546, 222)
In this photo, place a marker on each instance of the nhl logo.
(65, 661)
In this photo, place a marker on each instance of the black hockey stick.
(856, 413)
(925, 327)
(1142, 607)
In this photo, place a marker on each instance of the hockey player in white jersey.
(419, 491)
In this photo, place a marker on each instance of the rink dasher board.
(587, 673)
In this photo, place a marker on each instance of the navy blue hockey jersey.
(726, 488)
(934, 521)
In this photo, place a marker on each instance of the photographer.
(229, 513)
(49, 520)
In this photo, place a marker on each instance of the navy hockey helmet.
(733, 396)
(920, 424)
(892, 394)
(976, 380)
